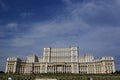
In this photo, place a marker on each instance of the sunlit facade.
(61, 60)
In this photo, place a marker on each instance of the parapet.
(12, 59)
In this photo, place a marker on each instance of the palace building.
(61, 60)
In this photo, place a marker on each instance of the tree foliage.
(61, 76)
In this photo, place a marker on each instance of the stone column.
(74, 68)
(103, 67)
(6, 69)
(113, 66)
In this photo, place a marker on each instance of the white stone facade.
(61, 60)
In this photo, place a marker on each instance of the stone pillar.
(6, 68)
(103, 67)
(94, 69)
(113, 66)
(46, 68)
(15, 65)
(74, 68)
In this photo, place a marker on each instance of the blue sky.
(27, 26)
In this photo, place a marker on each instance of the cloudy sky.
(27, 26)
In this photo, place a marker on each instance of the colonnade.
(59, 68)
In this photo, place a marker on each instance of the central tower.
(69, 54)
(57, 59)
